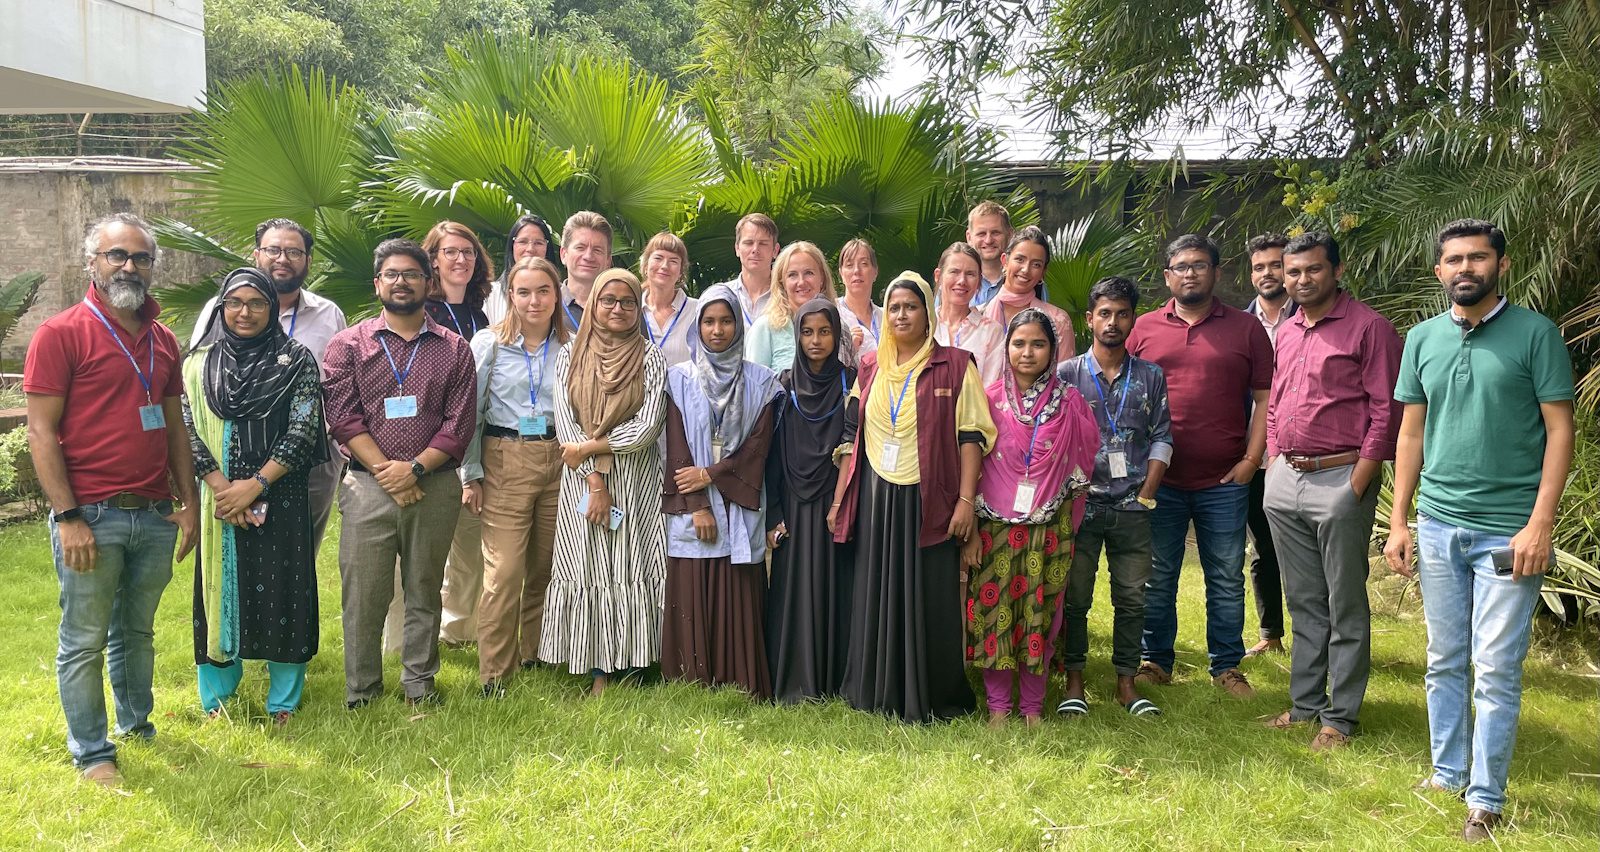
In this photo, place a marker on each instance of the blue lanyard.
(874, 318)
(670, 326)
(1127, 380)
(533, 387)
(1027, 460)
(400, 377)
(894, 407)
(294, 318)
(842, 387)
(143, 379)
(567, 309)
(450, 309)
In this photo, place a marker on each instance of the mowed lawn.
(658, 766)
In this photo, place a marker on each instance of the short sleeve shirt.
(106, 449)
(1483, 441)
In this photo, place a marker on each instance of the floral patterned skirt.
(1015, 591)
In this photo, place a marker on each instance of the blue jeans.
(108, 616)
(1478, 620)
(1219, 515)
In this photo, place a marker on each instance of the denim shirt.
(1143, 423)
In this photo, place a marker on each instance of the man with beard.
(400, 394)
(1129, 399)
(1487, 387)
(105, 429)
(1218, 363)
(283, 252)
(1331, 425)
(1273, 307)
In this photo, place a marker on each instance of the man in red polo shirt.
(1218, 363)
(106, 432)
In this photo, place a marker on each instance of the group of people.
(792, 490)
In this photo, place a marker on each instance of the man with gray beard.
(105, 427)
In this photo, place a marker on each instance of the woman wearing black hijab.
(808, 609)
(253, 407)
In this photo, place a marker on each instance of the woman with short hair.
(669, 312)
(959, 278)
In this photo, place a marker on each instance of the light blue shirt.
(986, 290)
(503, 389)
(770, 347)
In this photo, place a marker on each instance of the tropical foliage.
(16, 297)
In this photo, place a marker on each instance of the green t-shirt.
(1483, 442)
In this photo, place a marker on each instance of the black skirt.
(907, 654)
(711, 630)
(808, 608)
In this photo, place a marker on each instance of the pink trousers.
(997, 682)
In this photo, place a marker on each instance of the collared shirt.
(1483, 442)
(1333, 389)
(752, 308)
(571, 308)
(443, 379)
(312, 321)
(980, 335)
(503, 396)
(869, 327)
(1288, 309)
(678, 337)
(103, 442)
(1136, 399)
(1212, 368)
(1468, 328)
(987, 290)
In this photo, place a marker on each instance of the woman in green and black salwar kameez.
(253, 405)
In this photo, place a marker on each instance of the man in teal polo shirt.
(1488, 431)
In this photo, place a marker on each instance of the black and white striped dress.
(603, 607)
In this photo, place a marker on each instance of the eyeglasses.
(1200, 268)
(451, 253)
(529, 242)
(119, 257)
(411, 276)
(275, 252)
(611, 303)
(254, 306)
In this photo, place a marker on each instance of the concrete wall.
(44, 211)
(101, 55)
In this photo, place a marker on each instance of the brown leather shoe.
(1266, 646)
(1329, 739)
(104, 773)
(1284, 721)
(1481, 825)
(1235, 683)
(1152, 674)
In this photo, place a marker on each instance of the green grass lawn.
(680, 767)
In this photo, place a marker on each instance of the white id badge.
(1026, 489)
(1118, 460)
(151, 418)
(530, 426)
(396, 407)
(891, 456)
(716, 451)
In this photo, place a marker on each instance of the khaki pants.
(522, 490)
(463, 581)
(377, 532)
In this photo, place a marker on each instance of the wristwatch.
(1147, 502)
(71, 514)
(417, 470)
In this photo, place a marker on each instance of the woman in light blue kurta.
(719, 426)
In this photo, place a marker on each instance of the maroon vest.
(938, 457)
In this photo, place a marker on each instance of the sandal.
(1143, 707)
(1072, 707)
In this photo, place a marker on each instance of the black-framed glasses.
(1200, 268)
(411, 276)
(611, 303)
(120, 257)
(254, 306)
(275, 252)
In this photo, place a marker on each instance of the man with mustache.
(105, 429)
(400, 394)
(1488, 390)
(1331, 423)
(1273, 307)
(283, 252)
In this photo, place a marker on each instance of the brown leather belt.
(1311, 464)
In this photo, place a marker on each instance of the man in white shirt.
(283, 252)
(756, 245)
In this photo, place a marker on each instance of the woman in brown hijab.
(602, 612)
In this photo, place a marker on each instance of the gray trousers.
(377, 531)
(324, 485)
(1322, 532)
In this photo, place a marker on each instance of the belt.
(1310, 464)
(494, 431)
(358, 467)
(130, 502)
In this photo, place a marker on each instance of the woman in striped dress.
(603, 608)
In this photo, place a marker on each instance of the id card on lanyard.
(1027, 488)
(532, 425)
(400, 405)
(151, 415)
(1116, 458)
(891, 445)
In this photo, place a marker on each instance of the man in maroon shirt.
(1331, 424)
(399, 393)
(105, 428)
(1218, 364)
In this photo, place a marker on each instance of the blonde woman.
(669, 313)
(800, 275)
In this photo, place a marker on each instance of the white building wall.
(61, 56)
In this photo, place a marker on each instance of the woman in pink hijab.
(1030, 500)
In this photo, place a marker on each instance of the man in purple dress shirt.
(400, 394)
(1331, 423)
